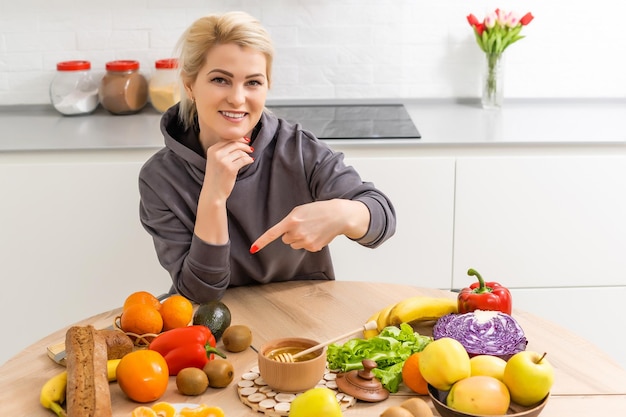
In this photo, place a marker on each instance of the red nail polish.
(251, 149)
(254, 249)
(246, 139)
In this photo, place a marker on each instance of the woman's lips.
(234, 116)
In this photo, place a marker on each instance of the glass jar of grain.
(164, 90)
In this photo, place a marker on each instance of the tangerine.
(141, 319)
(143, 411)
(202, 410)
(411, 375)
(164, 409)
(177, 311)
(142, 297)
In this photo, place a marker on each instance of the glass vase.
(493, 82)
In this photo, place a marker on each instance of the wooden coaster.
(255, 393)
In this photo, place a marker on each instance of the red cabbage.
(483, 333)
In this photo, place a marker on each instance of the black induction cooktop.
(346, 121)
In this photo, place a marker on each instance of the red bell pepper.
(483, 295)
(185, 347)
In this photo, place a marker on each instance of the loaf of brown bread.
(118, 343)
(87, 392)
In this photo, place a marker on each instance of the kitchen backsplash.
(331, 49)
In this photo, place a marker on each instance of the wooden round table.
(587, 381)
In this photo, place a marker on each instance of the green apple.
(316, 402)
(529, 377)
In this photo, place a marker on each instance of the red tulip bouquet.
(494, 34)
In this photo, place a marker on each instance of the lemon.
(488, 365)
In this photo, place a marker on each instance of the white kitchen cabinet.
(72, 245)
(533, 222)
(593, 313)
(420, 253)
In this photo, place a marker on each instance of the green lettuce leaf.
(389, 350)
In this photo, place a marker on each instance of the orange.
(202, 410)
(177, 311)
(142, 297)
(143, 411)
(141, 319)
(164, 409)
(143, 375)
(411, 375)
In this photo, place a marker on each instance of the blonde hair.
(234, 27)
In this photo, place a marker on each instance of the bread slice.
(118, 343)
(88, 393)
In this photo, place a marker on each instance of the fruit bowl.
(295, 376)
(515, 410)
(139, 340)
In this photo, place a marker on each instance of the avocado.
(215, 315)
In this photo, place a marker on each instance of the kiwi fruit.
(192, 381)
(237, 338)
(396, 411)
(220, 372)
(417, 407)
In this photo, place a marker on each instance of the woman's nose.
(237, 95)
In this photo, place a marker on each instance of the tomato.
(143, 375)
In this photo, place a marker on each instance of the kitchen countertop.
(440, 122)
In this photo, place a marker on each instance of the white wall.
(325, 49)
(331, 49)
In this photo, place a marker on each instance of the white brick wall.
(331, 49)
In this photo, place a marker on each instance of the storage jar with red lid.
(123, 90)
(164, 87)
(73, 90)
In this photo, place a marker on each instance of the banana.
(53, 391)
(382, 320)
(368, 334)
(421, 308)
(112, 369)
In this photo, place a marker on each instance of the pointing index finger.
(266, 238)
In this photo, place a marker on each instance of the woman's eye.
(255, 83)
(219, 80)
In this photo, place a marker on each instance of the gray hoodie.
(291, 167)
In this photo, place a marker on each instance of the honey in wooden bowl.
(291, 350)
(297, 376)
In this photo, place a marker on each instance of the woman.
(238, 196)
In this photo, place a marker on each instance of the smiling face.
(229, 92)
